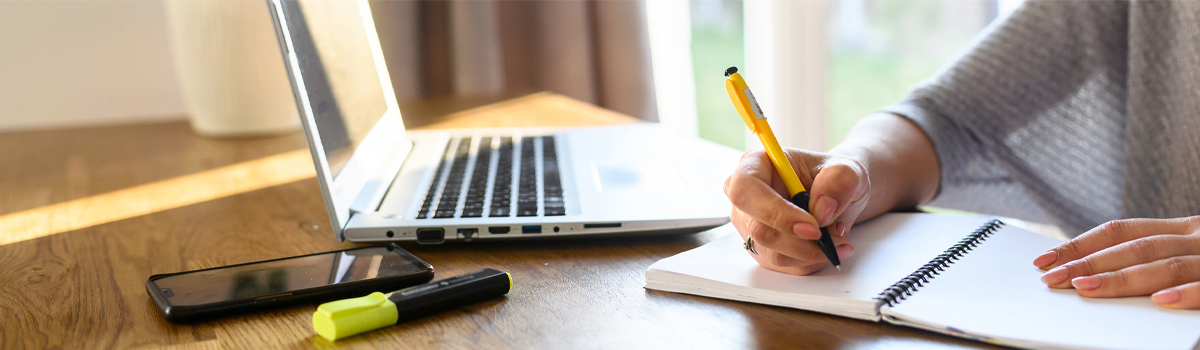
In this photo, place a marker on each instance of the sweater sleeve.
(1004, 118)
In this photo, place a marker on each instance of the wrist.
(880, 198)
(897, 158)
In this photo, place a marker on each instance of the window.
(879, 50)
(716, 45)
(870, 54)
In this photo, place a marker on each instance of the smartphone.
(203, 294)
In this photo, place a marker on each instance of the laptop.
(383, 183)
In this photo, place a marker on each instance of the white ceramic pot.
(230, 69)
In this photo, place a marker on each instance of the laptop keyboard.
(497, 193)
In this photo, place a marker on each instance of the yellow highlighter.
(744, 101)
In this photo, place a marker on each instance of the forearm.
(900, 162)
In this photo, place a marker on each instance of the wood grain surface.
(84, 288)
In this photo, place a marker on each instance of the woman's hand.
(784, 235)
(1130, 258)
(838, 187)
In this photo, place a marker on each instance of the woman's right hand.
(785, 235)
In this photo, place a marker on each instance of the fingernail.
(827, 205)
(1055, 276)
(840, 228)
(1047, 258)
(845, 251)
(1086, 282)
(1166, 296)
(806, 231)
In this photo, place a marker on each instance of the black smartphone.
(203, 294)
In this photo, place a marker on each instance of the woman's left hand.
(1130, 258)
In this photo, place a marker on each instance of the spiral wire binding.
(907, 285)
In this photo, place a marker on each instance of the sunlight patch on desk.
(154, 197)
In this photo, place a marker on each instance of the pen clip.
(737, 89)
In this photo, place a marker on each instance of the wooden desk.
(84, 287)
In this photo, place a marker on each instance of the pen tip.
(729, 71)
(839, 267)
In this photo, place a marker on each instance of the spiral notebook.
(966, 276)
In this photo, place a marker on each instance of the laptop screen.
(339, 73)
(345, 98)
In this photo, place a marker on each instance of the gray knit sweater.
(1072, 113)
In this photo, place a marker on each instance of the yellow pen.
(744, 101)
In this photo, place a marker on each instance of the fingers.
(1186, 296)
(1107, 235)
(784, 251)
(1135, 252)
(1131, 258)
(783, 242)
(784, 235)
(1140, 279)
(778, 262)
(749, 190)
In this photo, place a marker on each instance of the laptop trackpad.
(656, 177)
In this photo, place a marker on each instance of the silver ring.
(749, 245)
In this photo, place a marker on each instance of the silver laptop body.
(382, 183)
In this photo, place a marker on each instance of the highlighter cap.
(343, 318)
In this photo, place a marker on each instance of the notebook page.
(994, 292)
(887, 249)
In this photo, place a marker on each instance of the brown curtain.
(594, 51)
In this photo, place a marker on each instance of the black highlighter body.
(450, 293)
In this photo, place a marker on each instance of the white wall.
(73, 63)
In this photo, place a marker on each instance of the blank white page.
(887, 249)
(994, 292)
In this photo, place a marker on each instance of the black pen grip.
(826, 241)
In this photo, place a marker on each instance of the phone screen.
(280, 276)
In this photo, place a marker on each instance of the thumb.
(836, 187)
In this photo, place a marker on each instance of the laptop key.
(556, 211)
(499, 211)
